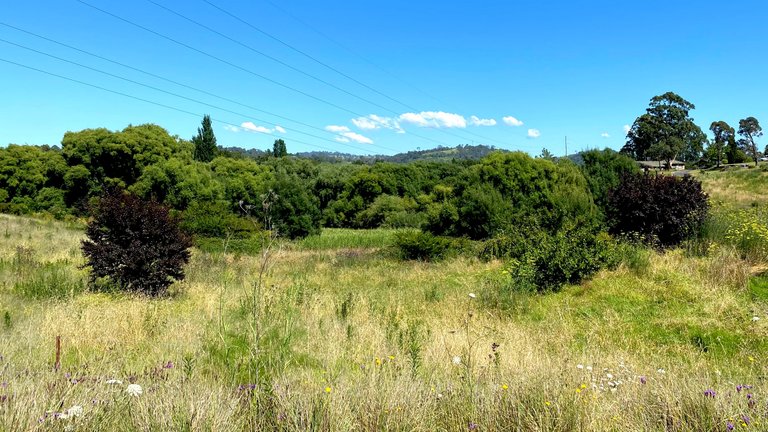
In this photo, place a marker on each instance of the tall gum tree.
(665, 131)
(749, 129)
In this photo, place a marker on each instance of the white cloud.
(434, 119)
(250, 127)
(336, 129)
(280, 129)
(345, 135)
(232, 128)
(373, 122)
(605, 135)
(356, 137)
(534, 133)
(511, 121)
(365, 123)
(627, 128)
(476, 121)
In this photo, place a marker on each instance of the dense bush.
(423, 246)
(512, 189)
(135, 244)
(604, 170)
(209, 219)
(663, 210)
(545, 262)
(292, 212)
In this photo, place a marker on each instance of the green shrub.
(292, 211)
(512, 189)
(207, 219)
(603, 171)
(547, 262)
(424, 246)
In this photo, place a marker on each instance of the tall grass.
(366, 342)
(342, 238)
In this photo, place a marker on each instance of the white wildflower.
(439, 395)
(609, 375)
(457, 360)
(134, 390)
(661, 371)
(579, 366)
(589, 368)
(755, 318)
(472, 295)
(114, 381)
(75, 411)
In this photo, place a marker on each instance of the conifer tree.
(279, 149)
(205, 141)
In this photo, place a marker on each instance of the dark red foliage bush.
(663, 210)
(136, 244)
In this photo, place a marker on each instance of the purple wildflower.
(168, 365)
(730, 426)
(738, 388)
(4, 384)
(472, 425)
(643, 380)
(710, 393)
(3, 398)
(745, 418)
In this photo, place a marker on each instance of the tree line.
(666, 132)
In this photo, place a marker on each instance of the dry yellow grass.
(351, 340)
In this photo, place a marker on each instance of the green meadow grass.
(342, 238)
(337, 336)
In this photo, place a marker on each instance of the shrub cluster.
(424, 246)
(135, 244)
(663, 210)
(539, 261)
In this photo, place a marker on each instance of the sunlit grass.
(341, 337)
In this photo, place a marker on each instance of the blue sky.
(518, 75)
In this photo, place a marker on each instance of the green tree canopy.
(279, 149)
(749, 129)
(666, 131)
(724, 143)
(118, 158)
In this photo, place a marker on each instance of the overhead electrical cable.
(299, 122)
(198, 115)
(246, 116)
(241, 68)
(336, 70)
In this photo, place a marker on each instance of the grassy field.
(338, 335)
(742, 187)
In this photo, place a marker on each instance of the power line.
(149, 101)
(297, 50)
(163, 91)
(219, 59)
(274, 59)
(305, 54)
(167, 80)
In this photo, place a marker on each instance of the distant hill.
(461, 152)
